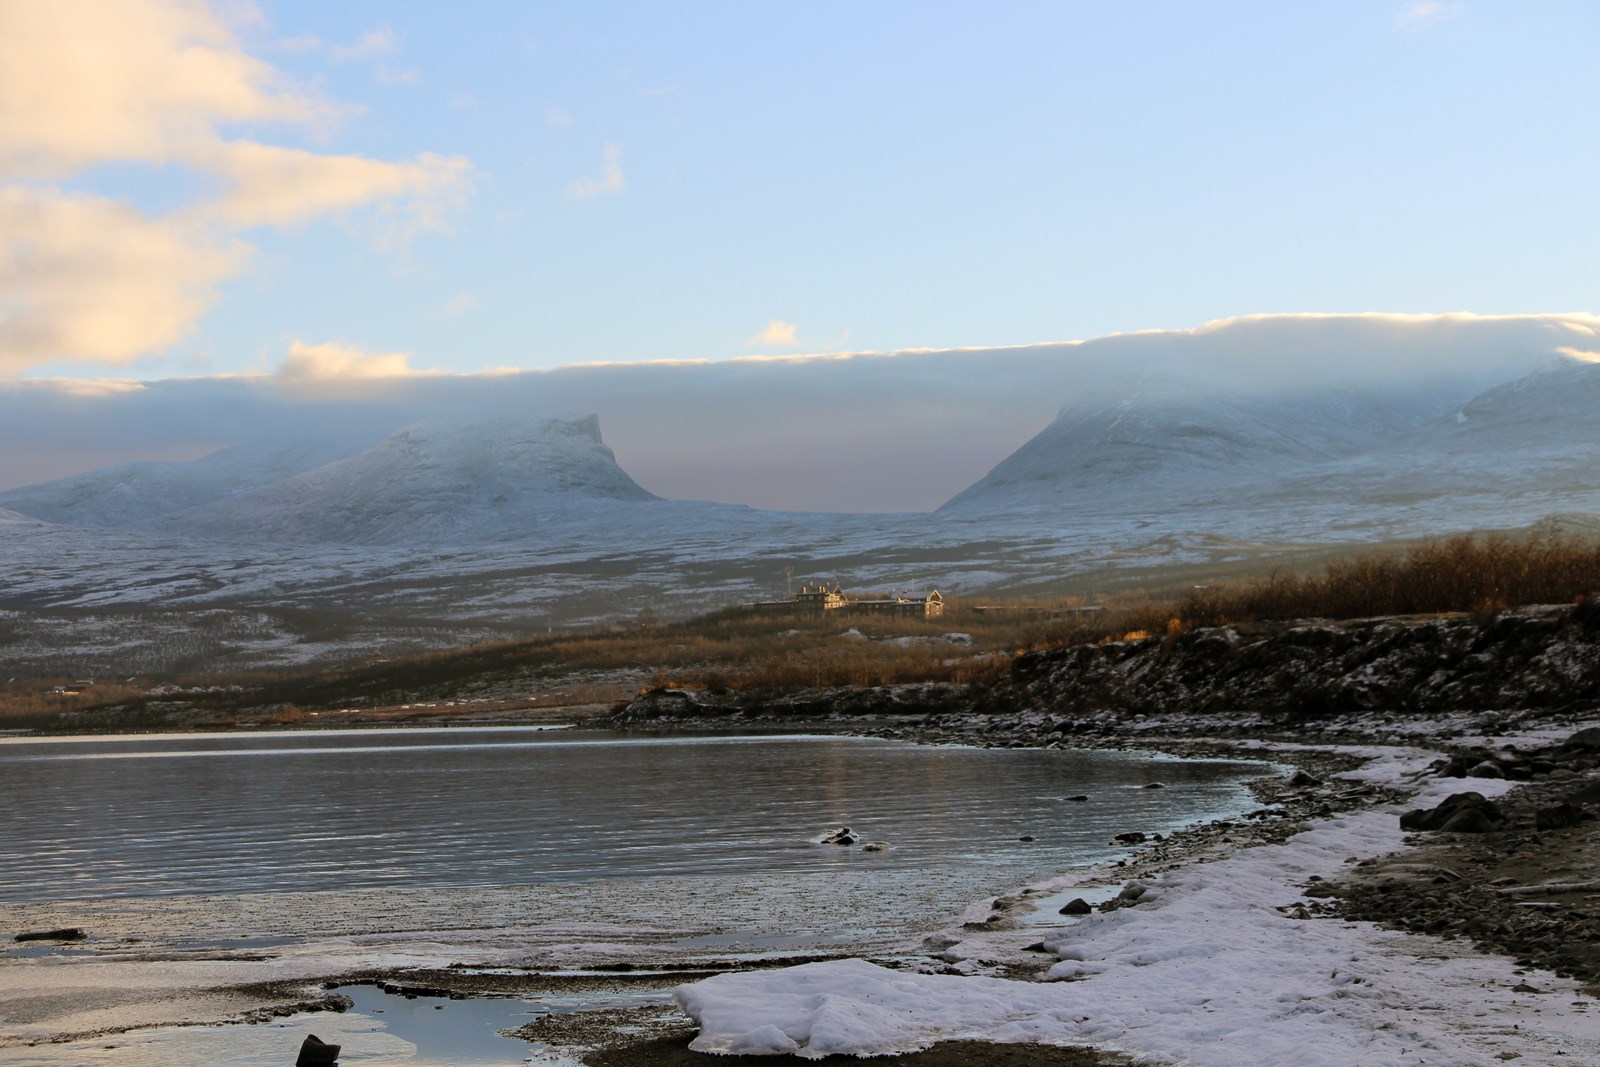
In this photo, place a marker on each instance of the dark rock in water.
(1076, 906)
(1132, 837)
(1301, 778)
(1486, 769)
(842, 836)
(1155, 785)
(1027, 837)
(69, 933)
(315, 1052)
(1079, 799)
(1558, 817)
(1462, 813)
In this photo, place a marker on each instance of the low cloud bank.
(897, 431)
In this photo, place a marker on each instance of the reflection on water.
(150, 816)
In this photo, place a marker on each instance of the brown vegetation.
(744, 650)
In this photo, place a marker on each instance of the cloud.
(155, 82)
(1427, 13)
(777, 334)
(610, 180)
(934, 421)
(460, 304)
(274, 186)
(331, 361)
(88, 278)
(556, 117)
(112, 80)
(372, 43)
(399, 75)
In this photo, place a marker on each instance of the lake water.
(202, 863)
(155, 816)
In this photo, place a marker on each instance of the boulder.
(315, 1052)
(1485, 815)
(1132, 837)
(1486, 769)
(1301, 778)
(842, 836)
(1076, 906)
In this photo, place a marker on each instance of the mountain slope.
(1164, 438)
(457, 480)
(133, 494)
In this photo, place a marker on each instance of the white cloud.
(610, 180)
(399, 75)
(331, 361)
(112, 80)
(91, 279)
(777, 334)
(274, 186)
(372, 43)
(1426, 13)
(557, 117)
(460, 304)
(464, 102)
(154, 82)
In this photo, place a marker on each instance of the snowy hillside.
(132, 494)
(455, 480)
(1166, 436)
(12, 518)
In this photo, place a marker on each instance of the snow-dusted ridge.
(442, 481)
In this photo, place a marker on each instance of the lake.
(160, 815)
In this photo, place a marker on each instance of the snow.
(1209, 964)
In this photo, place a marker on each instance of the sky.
(193, 189)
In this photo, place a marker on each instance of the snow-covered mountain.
(12, 518)
(1164, 437)
(133, 494)
(447, 481)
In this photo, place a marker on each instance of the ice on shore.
(1214, 971)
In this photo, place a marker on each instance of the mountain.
(13, 519)
(1165, 436)
(133, 494)
(434, 482)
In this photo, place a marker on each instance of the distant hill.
(1164, 437)
(452, 480)
(133, 494)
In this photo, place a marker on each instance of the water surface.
(148, 816)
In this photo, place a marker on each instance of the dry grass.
(1480, 575)
(743, 650)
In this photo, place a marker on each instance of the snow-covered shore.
(1219, 963)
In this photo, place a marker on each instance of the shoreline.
(987, 940)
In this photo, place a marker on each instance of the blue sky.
(533, 185)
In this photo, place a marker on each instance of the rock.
(1132, 837)
(1076, 906)
(1486, 769)
(842, 836)
(1444, 817)
(1557, 817)
(1301, 778)
(1468, 821)
(69, 933)
(1079, 799)
(1027, 837)
(315, 1052)
(875, 846)
(1133, 892)
(1155, 785)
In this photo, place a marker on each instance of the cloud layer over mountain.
(866, 432)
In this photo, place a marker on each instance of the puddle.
(382, 1030)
